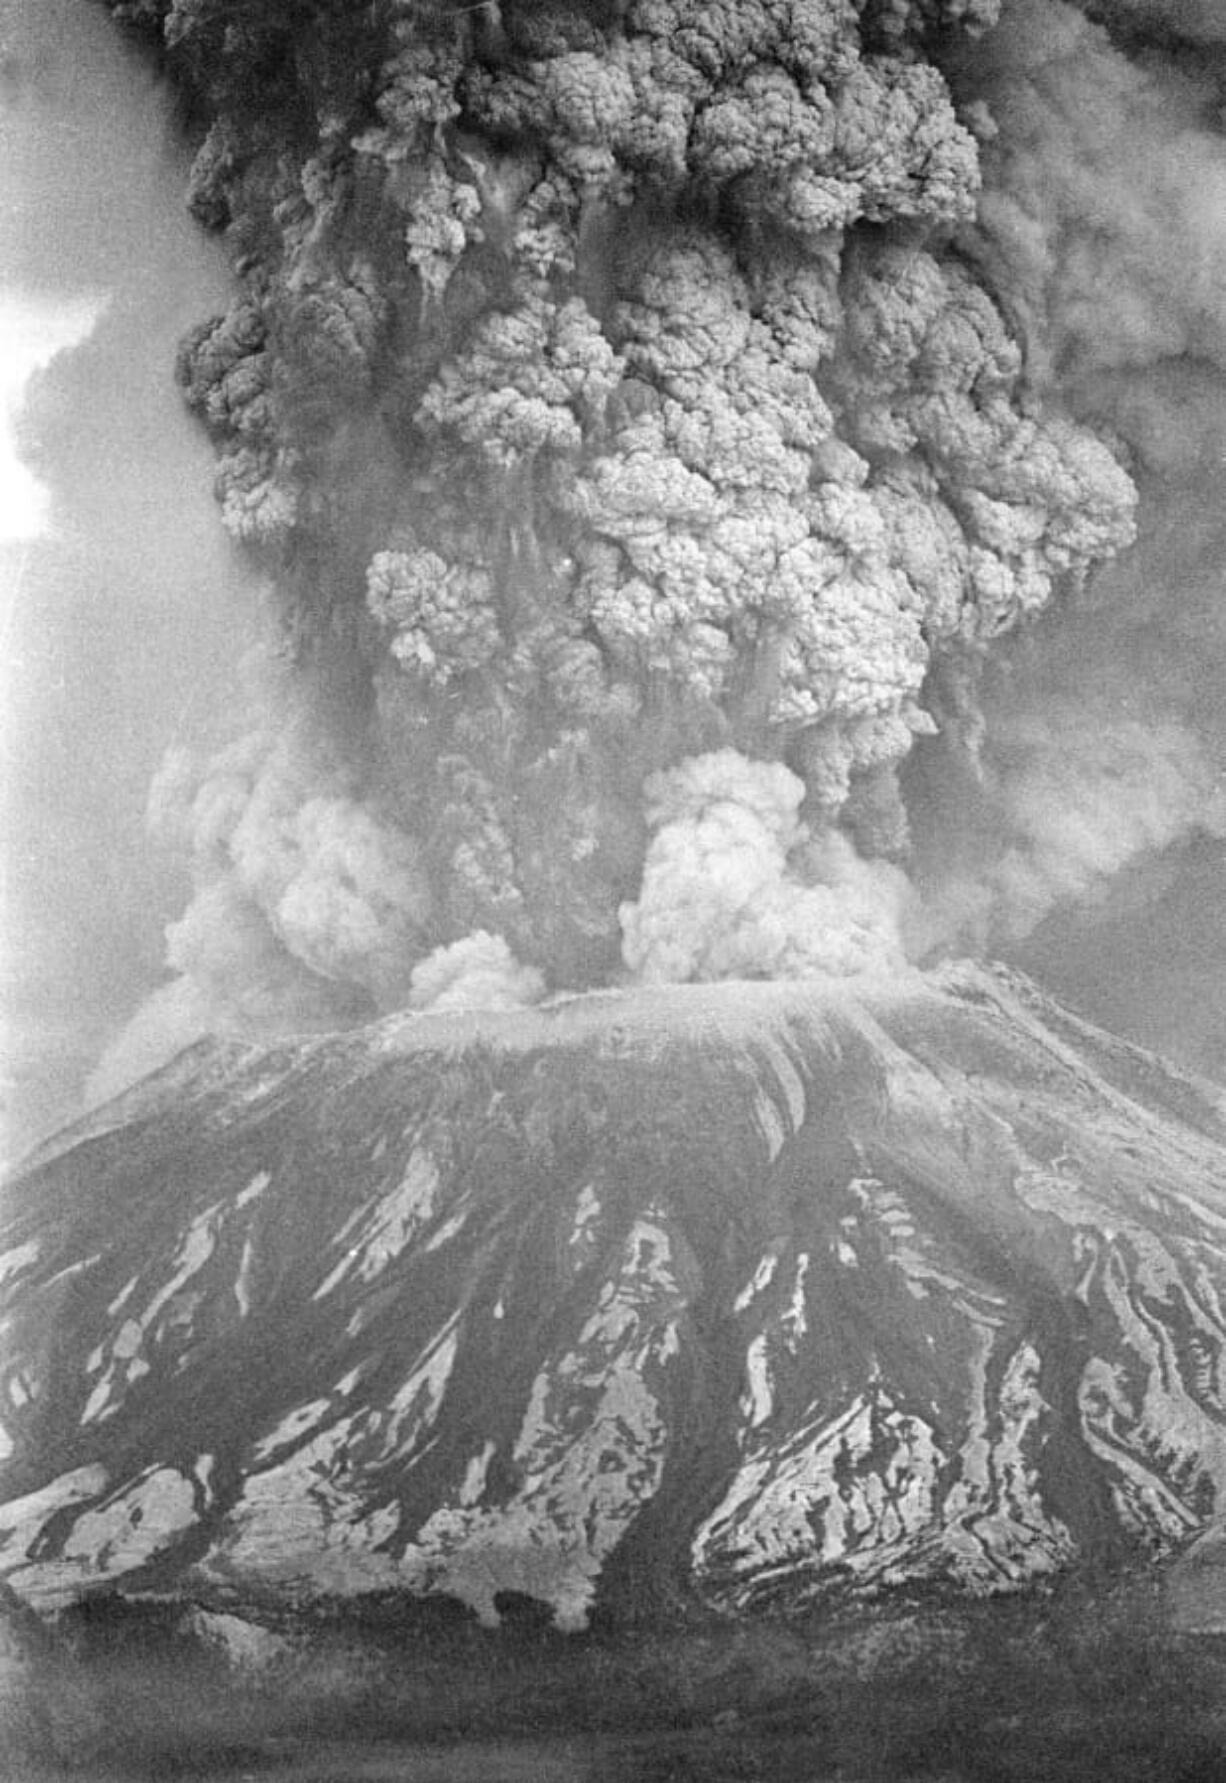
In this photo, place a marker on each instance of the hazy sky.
(123, 607)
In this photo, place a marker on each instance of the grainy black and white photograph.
(613, 875)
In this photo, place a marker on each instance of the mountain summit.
(742, 1295)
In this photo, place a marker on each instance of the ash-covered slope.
(744, 1294)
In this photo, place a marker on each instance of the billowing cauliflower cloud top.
(633, 447)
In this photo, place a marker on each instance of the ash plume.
(1102, 765)
(688, 442)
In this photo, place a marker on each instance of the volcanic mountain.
(743, 1296)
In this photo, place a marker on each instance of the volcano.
(742, 1296)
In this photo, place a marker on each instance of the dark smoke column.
(629, 440)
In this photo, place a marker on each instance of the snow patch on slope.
(869, 1494)
(589, 1454)
(305, 1523)
(381, 1235)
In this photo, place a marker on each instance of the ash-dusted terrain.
(742, 1295)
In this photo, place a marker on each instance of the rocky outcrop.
(742, 1295)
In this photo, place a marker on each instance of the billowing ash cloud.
(477, 972)
(291, 866)
(735, 886)
(657, 417)
(1105, 189)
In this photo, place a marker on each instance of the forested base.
(1086, 1683)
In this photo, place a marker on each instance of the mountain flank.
(741, 1297)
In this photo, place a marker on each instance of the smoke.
(698, 456)
(309, 906)
(1073, 795)
(477, 972)
(1096, 799)
(1186, 21)
(300, 881)
(1104, 196)
(735, 885)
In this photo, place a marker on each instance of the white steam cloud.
(310, 906)
(311, 909)
(290, 861)
(736, 886)
(32, 332)
(477, 972)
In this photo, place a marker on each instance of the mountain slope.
(743, 1294)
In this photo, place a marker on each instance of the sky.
(121, 632)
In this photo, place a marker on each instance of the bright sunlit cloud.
(32, 331)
